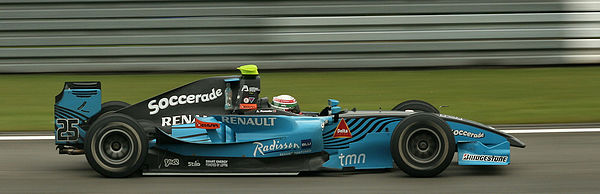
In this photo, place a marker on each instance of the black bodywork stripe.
(511, 139)
(201, 140)
(359, 126)
(329, 134)
(60, 115)
(195, 135)
(367, 127)
(70, 111)
(68, 115)
(371, 130)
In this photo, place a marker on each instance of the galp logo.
(207, 125)
(342, 130)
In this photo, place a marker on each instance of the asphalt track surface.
(551, 163)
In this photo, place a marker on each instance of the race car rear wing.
(76, 104)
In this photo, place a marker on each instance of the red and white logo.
(248, 106)
(342, 130)
(207, 125)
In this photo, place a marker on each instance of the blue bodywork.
(74, 108)
(368, 148)
(356, 139)
(248, 136)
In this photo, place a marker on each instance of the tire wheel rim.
(423, 145)
(116, 146)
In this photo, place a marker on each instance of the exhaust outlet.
(71, 151)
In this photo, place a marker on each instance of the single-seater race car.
(220, 126)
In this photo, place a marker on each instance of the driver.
(286, 103)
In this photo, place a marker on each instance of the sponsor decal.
(171, 162)
(306, 144)
(207, 125)
(178, 120)
(163, 103)
(351, 159)
(450, 117)
(195, 163)
(286, 101)
(248, 106)
(468, 134)
(217, 163)
(484, 158)
(256, 121)
(276, 146)
(342, 130)
(249, 100)
(245, 88)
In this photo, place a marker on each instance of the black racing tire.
(422, 145)
(417, 106)
(116, 145)
(108, 107)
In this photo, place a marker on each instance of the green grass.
(491, 96)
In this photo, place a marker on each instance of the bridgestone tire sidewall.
(400, 137)
(416, 105)
(123, 124)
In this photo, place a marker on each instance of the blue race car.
(219, 125)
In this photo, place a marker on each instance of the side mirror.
(332, 102)
(335, 110)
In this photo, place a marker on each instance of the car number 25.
(67, 129)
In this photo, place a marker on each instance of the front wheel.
(416, 106)
(116, 145)
(422, 145)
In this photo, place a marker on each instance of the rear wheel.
(112, 106)
(417, 106)
(116, 145)
(422, 145)
(108, 107)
